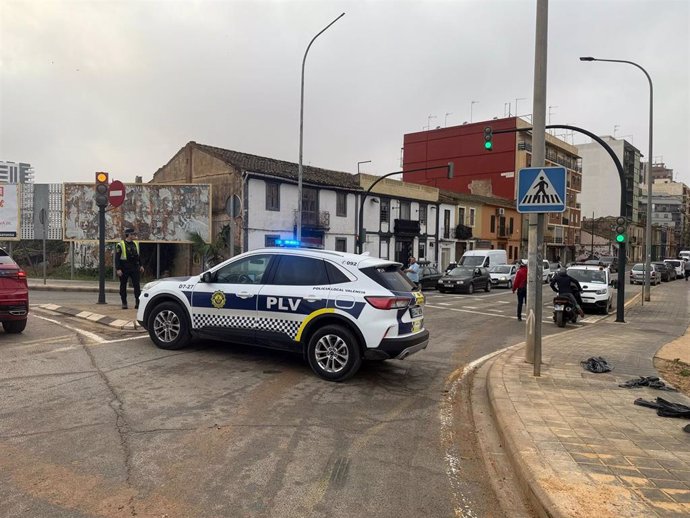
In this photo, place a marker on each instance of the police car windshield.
(593, 276)
(390, 277)
(500, 268)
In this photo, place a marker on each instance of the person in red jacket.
(520, 285)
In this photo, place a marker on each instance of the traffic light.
(620, 230)
(102, 188)
(488, 137)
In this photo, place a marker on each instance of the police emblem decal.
(218, 299)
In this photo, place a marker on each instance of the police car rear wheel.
(168, 327)
(334, 353)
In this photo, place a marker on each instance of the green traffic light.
(488, 145)
(620, 238)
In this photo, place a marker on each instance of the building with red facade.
(492, 173)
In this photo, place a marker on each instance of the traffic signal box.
(620, 230)
(488, 138)
(102, 188)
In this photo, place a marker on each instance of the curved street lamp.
(648, 230)
(301, 132)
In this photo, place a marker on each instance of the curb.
(117, 323)
(81, 289)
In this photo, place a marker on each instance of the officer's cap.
(129, 231)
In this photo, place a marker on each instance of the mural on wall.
(159, 213)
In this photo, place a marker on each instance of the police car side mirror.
(207, 277)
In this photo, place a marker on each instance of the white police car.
(334, 308)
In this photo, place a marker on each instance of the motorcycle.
(564, 311)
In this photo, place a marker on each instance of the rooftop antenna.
(428, 122)
(517, 113)
(445, 120)
(615, 128)
(472, 106)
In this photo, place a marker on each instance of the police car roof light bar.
(288, 243)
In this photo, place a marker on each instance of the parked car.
(428, 277)
(667, 273)
(610, 261)
(14, 295)
(678, 265)
(503, 275)
(465, 278)
(637, 274)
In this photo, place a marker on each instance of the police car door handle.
(245, 294)
(312, 298)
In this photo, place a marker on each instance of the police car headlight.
(151, 284)
(504, 278)
(602, 291)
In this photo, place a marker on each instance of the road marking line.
(466, 311)
(87, 334)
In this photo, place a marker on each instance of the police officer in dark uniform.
(128, 265)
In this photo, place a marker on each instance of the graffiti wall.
(159, 213)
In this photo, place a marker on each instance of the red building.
(464, 146)
(492, 173)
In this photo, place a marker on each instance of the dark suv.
(14, 295)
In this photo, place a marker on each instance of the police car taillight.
(388, 302)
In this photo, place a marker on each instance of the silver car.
(503, 275)
(637, 274)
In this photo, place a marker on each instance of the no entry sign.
(116, 193)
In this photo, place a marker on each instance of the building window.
(421, 250)
(461, 215)
(493, 224)
(341, 244)
(341, 204)
(510, 226)
(270, 240)
(384, 245)
(272, 196)
(385, 211)
(405, 210)
(472, 213)
(422, 214)
(446, 224)
(510, 252)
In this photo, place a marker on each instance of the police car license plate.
(558, 307)
(417, 325)
(416, 312)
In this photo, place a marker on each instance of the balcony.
(319, 220)
(406, 227)
(504, 233)
(463, 232)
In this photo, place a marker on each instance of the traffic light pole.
(360, 226)
(101, 255)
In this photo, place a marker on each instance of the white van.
(684, 254)
(484, 258)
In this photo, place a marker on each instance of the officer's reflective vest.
(123, 249)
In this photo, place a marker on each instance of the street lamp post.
(301, 132)
(648, 231)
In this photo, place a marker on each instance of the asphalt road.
(98, 422)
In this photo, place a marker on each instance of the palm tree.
(210, 253)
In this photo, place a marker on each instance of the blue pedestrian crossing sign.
(541, 189)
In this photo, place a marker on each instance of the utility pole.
(536, 221)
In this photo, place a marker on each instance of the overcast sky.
(121, 86)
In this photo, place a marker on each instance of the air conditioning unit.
(501, 211)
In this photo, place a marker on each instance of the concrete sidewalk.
(577, 443)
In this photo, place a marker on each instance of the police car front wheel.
(334, 353)
(168, 327)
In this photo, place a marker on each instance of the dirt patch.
(675, 372)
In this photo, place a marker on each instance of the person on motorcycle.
(567, 287)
